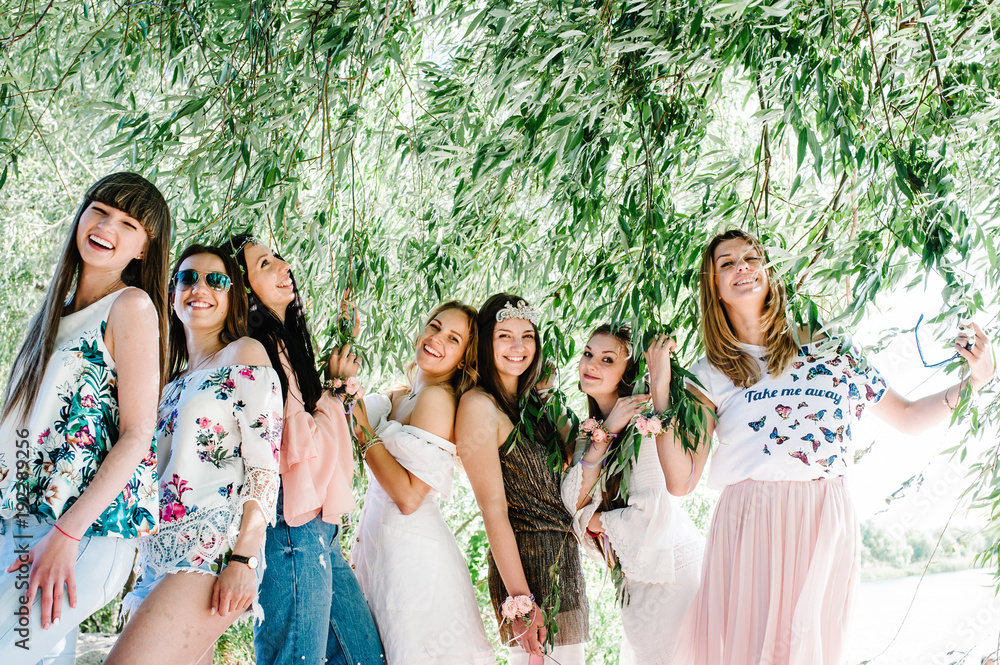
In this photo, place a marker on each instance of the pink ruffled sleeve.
(317, 462)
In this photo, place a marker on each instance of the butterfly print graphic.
(811, 439)
(794, 426)
(801, 404)
(811, 359)
(801, 456)
(798, 364)
(780, 439)
(818, 370)
(795, 377)
(838, 415)
(847, 433)
(871, 394)
(853, 392)
(766, 451)
(827, 462)
(831, 435)
(755, 426)
(783, 411)
(816, 417)
(858, 410)
(833, 361)
(837, 381)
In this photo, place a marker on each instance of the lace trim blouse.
(219, 432)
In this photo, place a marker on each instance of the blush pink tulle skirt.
(779, 577)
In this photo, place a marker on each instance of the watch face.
(252, 562)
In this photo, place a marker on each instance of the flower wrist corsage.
(595, 431)
(518, 607)
(349, 390)
(652, 424)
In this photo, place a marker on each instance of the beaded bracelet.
(368, 445)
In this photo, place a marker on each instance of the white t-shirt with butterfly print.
(796, 426)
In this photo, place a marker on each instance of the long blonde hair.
(722, 348)
(465, 376)
(138, 198)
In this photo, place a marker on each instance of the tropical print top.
(218, 431)
(49, 458)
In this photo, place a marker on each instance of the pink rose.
(654, 426)
(203, 422)
(338, 383)
(509, 609)
(88, 402)
(218, 429)
(353, 386)
(589, 425)
(599, 436)
(642, 425)
(524, 604)
(246, 373)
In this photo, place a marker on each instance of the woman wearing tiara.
(532, 547)
(405, 556)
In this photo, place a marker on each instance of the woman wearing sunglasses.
(314, 606)
(217, 432)
(781, 560)
(77, 473)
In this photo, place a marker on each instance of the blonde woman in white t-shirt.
(781, 561)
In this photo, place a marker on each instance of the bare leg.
(176, 618)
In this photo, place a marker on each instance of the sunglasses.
(217, 281)
(920, 351)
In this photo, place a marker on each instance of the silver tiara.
(522, 311)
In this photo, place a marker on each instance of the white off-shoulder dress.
(413, 575)
(659, 548)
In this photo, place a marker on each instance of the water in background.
(953, 612)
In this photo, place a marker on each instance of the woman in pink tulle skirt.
(782, 557)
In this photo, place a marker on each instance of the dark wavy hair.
(623, 335)
(235, 324)
(489, 377)
(265, 326)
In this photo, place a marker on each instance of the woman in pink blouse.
(314, 609)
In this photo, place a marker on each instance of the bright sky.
(897, 457)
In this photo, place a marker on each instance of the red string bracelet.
(65, 534)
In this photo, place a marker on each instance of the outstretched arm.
(914, 416)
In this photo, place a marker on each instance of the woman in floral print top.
(77, 467)
(218, 430)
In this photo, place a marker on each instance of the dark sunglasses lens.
(186, 277)
(218, 281)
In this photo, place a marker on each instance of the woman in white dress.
(406, 558)
(641, 529)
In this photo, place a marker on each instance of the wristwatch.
(250, 561)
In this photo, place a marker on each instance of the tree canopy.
(579, 153)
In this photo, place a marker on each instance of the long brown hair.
(722, 348)
(139, 199)
(623, 335)
(466, 376)
(234, 325)
(489, 377)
